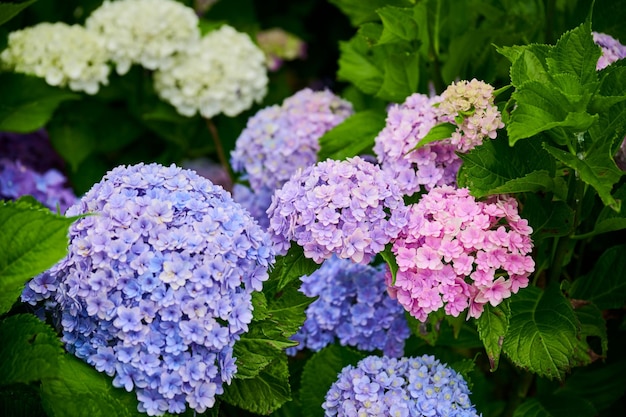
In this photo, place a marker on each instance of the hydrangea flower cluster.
(349, 208)
(224, 72)
(470, 106)
(279, 46)
(407, 124)
(353, 307)
(279, 140)
(612, 49)
(62, 54)
(145, 32)
(157, 284)
(414, 386)
(29, 166)
(456, 252)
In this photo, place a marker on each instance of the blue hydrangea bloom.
(156, 287)
(384, 386)
(30, 166)
(352, 307)
(280, 139)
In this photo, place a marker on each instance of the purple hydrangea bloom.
(353, 307)
(349, 208)
(383, 386)
(612, 49)
(157, 284)
(279, 140)
(30, 166)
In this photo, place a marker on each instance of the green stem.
(525, 382)
(220, 149)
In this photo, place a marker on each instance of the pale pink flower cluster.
(430, 165)
(470, 106)
(458, 253)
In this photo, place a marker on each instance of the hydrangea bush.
(157, 284)
(423, 215)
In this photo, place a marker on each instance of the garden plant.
(312, 208)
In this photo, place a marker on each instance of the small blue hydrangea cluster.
(349, 208)
(354, 307)
(383, 386)
(279, 140)
(157, 284)
(30, 166)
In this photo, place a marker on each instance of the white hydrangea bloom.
(224, 72)
(62, 54)
(145, 32)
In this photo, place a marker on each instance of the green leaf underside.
(32, 239)
(492, 327)
(320, 372)
(542, 331)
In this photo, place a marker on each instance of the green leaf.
(484, 173)
(291, 267)
(492, 326)
(32, 239)
(401, 74)
(547, 217)
(530, 65)
(28, 102)
(398, 24)
(81, 390)
(354, 136)
(438, 132)
(390, 259)
(602, 285)
(30, 350)
(10, 10)
(592, 324)
(264, 393)
(253, 355)
(609, 220)
(357, 64)
(542, 332)
(555, 406)
(320, 372)
(596, 169)
(576, 53)
(361, 11)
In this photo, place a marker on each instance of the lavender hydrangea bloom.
(407, 124)
(383, 386)
(279, 140)
(157, 284)
(353, 307)
(30, 166)
(348, 208)
(612, 49)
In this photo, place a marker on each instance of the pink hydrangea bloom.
(612, 49)
(459, 253)
(350, 208)
(470, 106)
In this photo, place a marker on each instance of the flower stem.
(220, 149)
(525, 382)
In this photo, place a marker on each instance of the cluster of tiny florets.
(30, 166)
(404, 387)
(156, 287)
(612, 49)
(457, 253)
(407, 124)
(470, 106)
(62, 54)
(144, 32)
(353, 307)
(279, 140)
(224, 72)
(279, 46)
(349, 208)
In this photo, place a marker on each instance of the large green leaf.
(264, 393)
(253, 354)
(576, 53)
(32, 239)
(603, 286)
(291, 267)
(493, 325)
(357, 63)
(28, 103)
(547, 217)
(30, 350)
(398, 24)
(80, 390)
(10, 10)
(361, 11)
(559, 405)
(542, 332)
(609, 220)
(320, 372)
(354, 136)
(592, 324)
